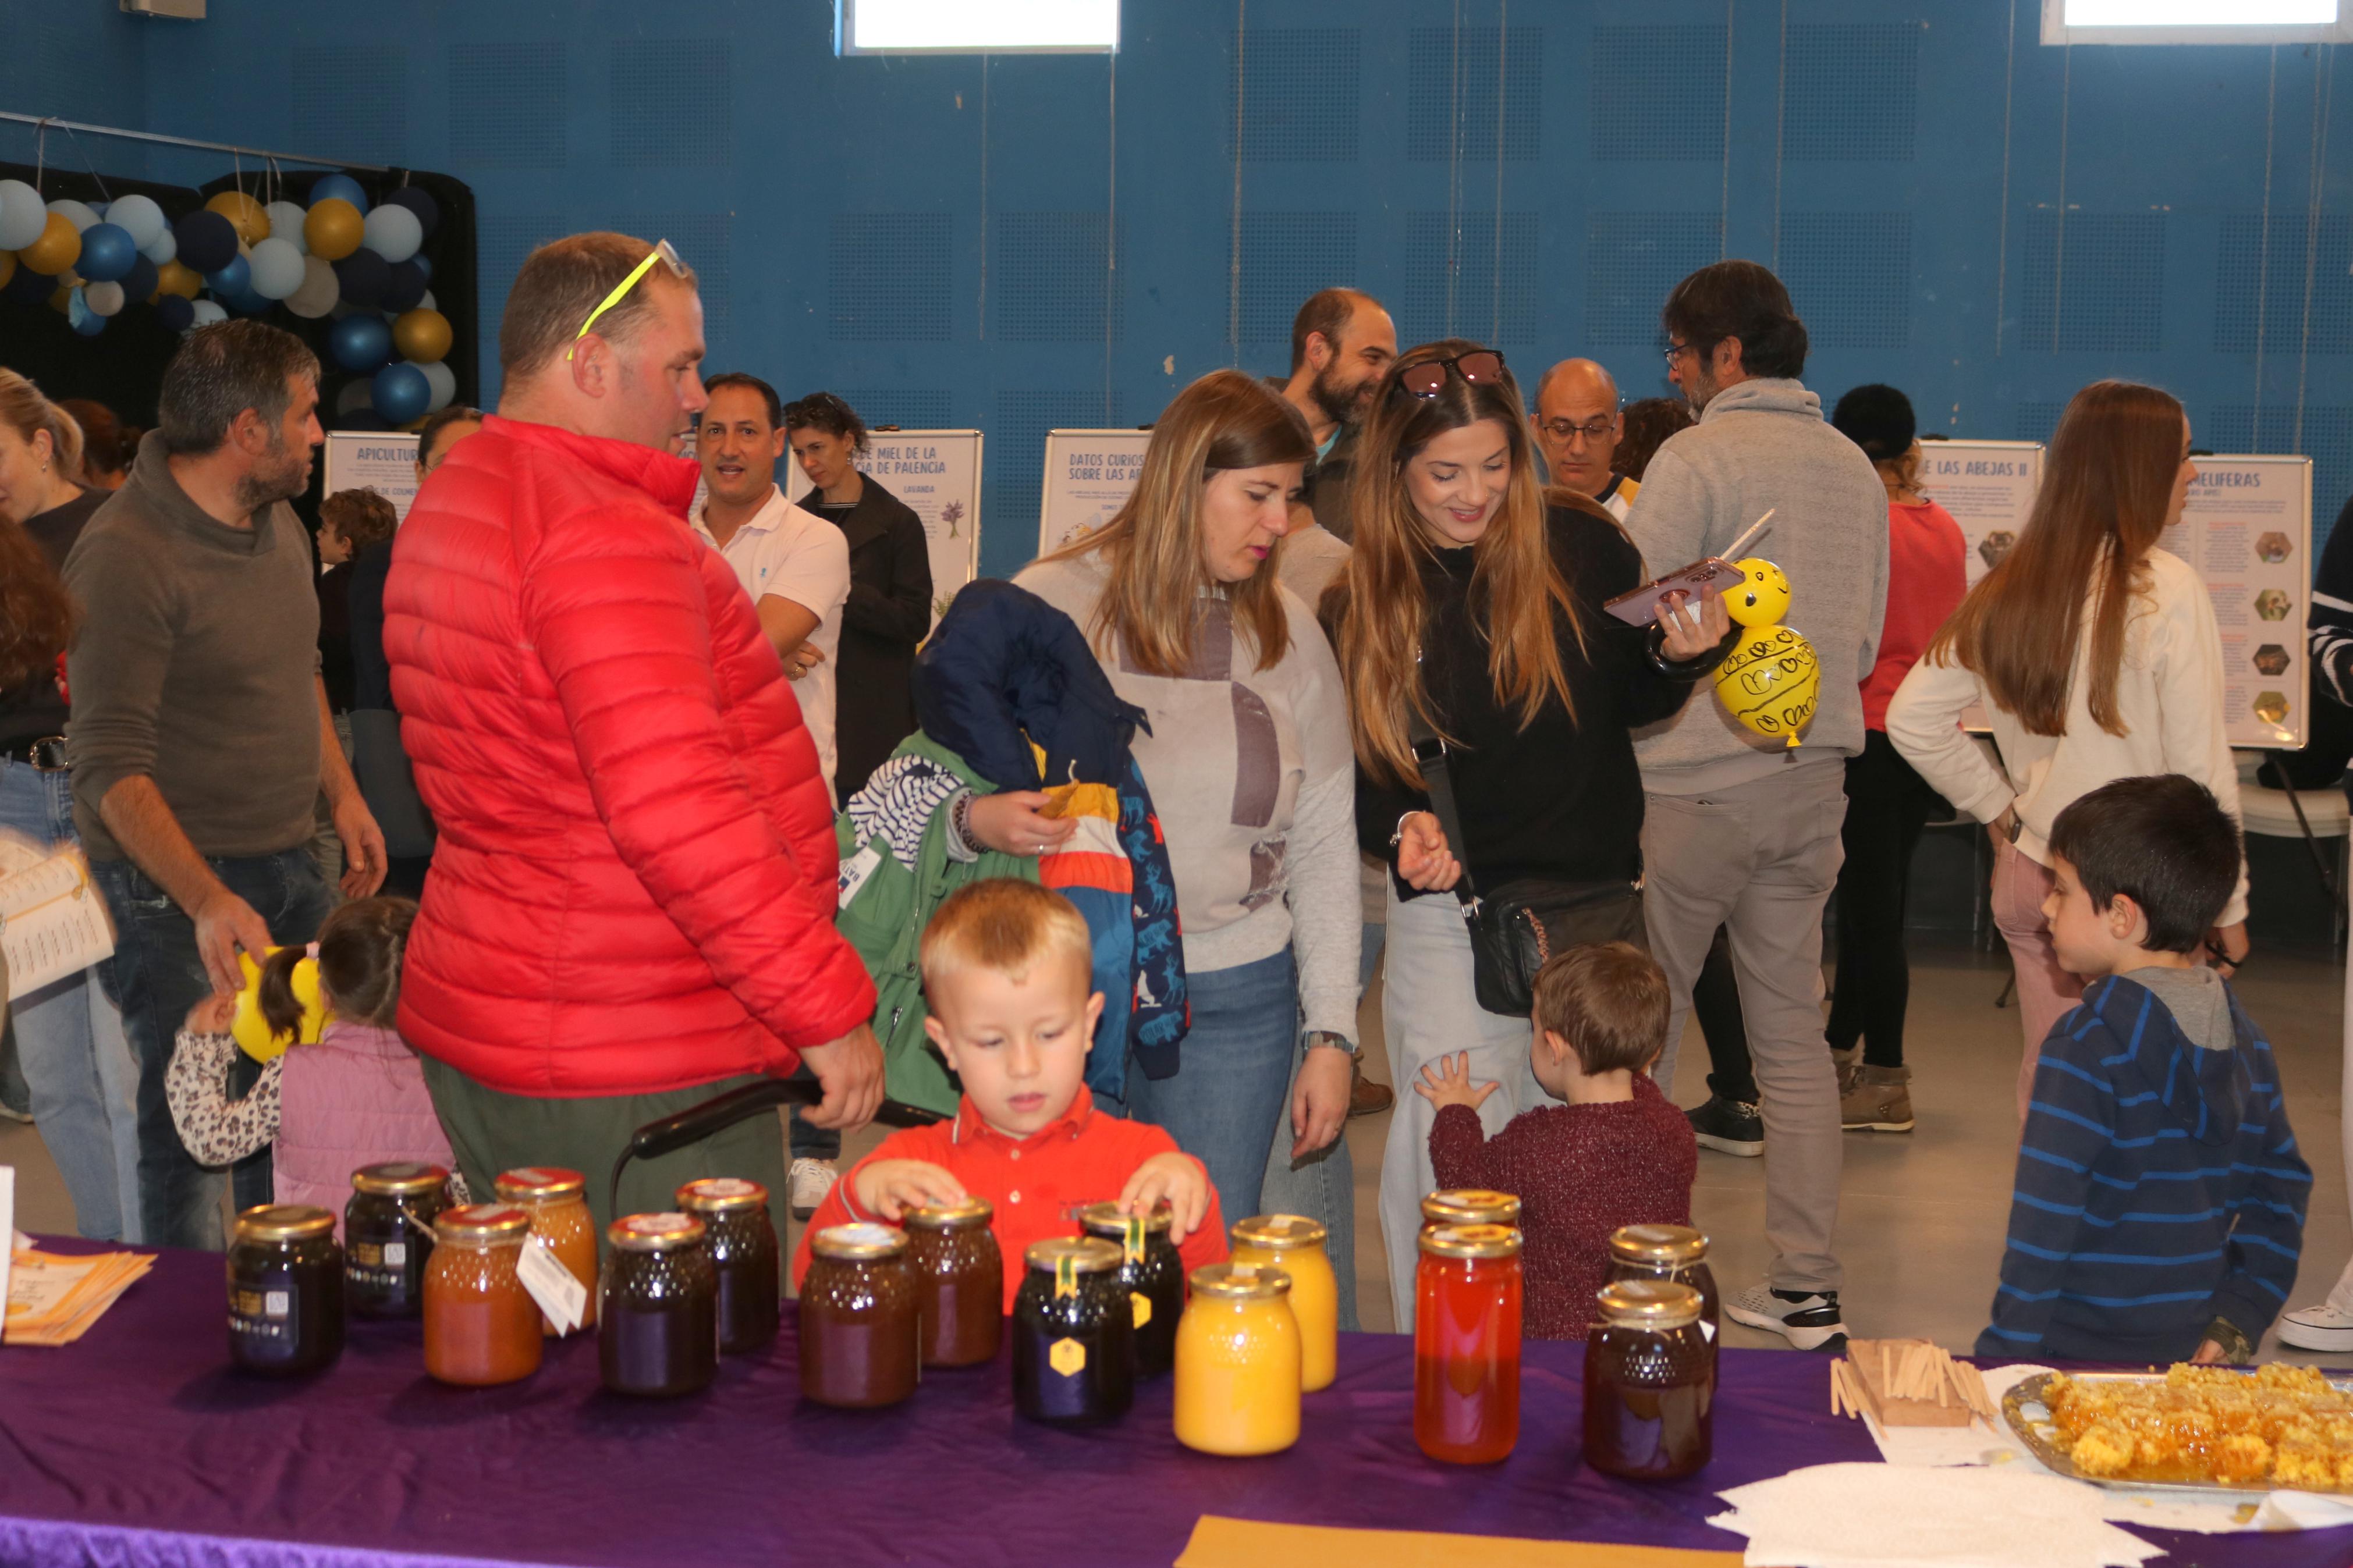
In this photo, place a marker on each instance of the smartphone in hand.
(1639, 607)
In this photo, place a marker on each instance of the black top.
(889, 613)
(335, 635)
(370, 569)
(1560, 800)
(36, 709)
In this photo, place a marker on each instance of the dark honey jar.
(1650, 1382)
(389, 1236)
(1152, 1274)
(741, 1238)
(658, 1308)
(1073, 1334)
(959, 1281)
(859, 1327)
(285, 1290)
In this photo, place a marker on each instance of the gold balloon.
(421, 335)
(249, 217)
(1770, 681)
(59, 247)
(7, 266)
(179, 278)
(60, 299)
(333, 229)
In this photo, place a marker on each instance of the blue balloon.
(423, 264)
(401, 392)
(140, 281)
(86, 321)
(341, 186)
(107, 254)
(207, 241)
(428, 210)
(234, 277)
(403, 288)
(246, 302)
(360, 341)
(176, 314)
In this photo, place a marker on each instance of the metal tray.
(2041, 1439)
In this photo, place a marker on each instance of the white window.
(977, 26)
(2197, 21)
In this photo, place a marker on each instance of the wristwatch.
(1329, 1038)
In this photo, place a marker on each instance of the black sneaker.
(1808, 1320)
(1728, 1127)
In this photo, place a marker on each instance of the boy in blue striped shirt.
(2160, 1203)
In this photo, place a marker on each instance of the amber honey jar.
(481, 1326)
(1469, 1205)
(285, 1290)
(556, 1201)
(1073, 1334)
(741, 1238)
(1466, 1343)
(389, 1236)
(1650, 1382)
(657, 1308)
(860, 1326)
(1151, 1272)
(1675, 1253)
(959, 1281)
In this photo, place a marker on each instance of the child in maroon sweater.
(1617, 1153)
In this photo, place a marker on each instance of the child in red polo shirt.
(1617, 1152)
(1008, 972)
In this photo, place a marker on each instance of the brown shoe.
(1366, 1098)
(1877, 1100)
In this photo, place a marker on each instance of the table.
(140, 1446)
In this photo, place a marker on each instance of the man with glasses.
(1743, 833)
(1341, 344)
(1578, 426)
(630, 910)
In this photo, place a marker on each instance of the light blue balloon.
(22, 216)
(277, 268)
(341, 186)
(139, 217)
(74, 213)
(166, 248)
(206, 312)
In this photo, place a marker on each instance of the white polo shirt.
(785, 553)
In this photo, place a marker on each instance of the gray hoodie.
(1762, 444)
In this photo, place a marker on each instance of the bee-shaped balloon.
(1770, 680)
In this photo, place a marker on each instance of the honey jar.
(959, 1281)
(859, 1327)
(1238, 1361)
(389, 1236)
(741, 1239)
(1294, 1244)
(1469, 1205)
(285, 1290)
(1073, 1334)
(658, 1308)
(556, 1201)
(481, 1326)
(1675, 1253)
(1150, 1271)
(1650, 1382)
(1466, 1343)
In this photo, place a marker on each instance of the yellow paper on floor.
(1245, 1543)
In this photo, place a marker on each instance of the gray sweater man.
(1740, 831)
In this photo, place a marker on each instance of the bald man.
(1578, 425)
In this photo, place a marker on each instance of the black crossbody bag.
(1514, 929)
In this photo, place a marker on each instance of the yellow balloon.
(179, 278)
(334, 230)
(250, 218)
(1761, 597)
(251, 1032)
(1770, 682)
(59, 247)
(7, 266)
(61, 300)
(421, 335)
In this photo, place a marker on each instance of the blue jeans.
(1223, 1104)
(70, 1047)
(155, 976)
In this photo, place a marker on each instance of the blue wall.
(1029, 242)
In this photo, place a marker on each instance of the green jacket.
(884, 909)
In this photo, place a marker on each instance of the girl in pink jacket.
(355, 1098)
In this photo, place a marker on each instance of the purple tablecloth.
(139, 1447)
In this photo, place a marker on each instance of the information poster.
(1090, 474)
(2247, 532)
(383, 460)
(937, 474)
(1988, 486)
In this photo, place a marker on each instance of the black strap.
(1431, 756)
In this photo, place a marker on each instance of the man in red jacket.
(630, 906)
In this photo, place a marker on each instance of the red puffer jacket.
(634, 886)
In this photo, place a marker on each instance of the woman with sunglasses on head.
(1473, 615)
(1248, 761)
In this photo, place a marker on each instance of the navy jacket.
(2158, 1188)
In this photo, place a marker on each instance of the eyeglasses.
(661, 252)
(1675, 352)
(1592, 429)
(1480, 367)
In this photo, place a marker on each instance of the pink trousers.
(2045, 991)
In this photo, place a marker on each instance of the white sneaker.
(1808, 1322)
(2321, 1328)
(811, 1180)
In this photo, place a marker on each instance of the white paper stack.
(1884, 1516)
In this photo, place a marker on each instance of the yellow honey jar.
(1294, 1244)
(1238, 1361)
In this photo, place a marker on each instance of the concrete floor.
(1920, 1227)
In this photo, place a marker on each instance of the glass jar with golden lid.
(1073, 1334)
(1469, 1205)
(741, 1236)
(285, 1290)
(1150, 1271)
(1466, 1343)
(1676, 1253)
(1238, 1361)
(1650, 1382)
(389, 1236)
(860, 1326)
(959, 1280)
(481, 1327)
(556, 1200)
(1294, 1244)
(658, 1320)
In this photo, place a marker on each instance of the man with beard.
(201, 734)
(1341, 344)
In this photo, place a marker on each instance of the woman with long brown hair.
(1249, 765)
(1473, 615)
(70, 1038)
(2096, 658)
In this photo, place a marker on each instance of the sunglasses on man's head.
(1480, 367)
(661, 252)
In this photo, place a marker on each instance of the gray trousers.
(1760, 860)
